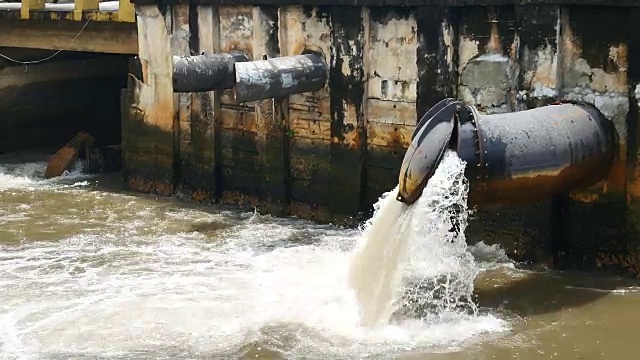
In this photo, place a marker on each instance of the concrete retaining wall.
(329, 154)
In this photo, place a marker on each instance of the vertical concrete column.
(200, 175)
(237, 133)
(596, 68)
(79, 6)
(435, 57)
(126, 11)
(180, 36)
(348, 122)
(148, 109)
(391, 92)
(271, 142)
(27, 5)
(308, 115)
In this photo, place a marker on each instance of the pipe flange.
(479, 143)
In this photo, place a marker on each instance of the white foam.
(30, 176)
(138, 279)
(91, 294)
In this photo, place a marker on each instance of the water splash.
(20, 175)
(29, 175)
(413, 260)
(114, 276)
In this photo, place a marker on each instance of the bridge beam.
(104, 37)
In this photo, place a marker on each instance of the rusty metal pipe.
(206, 72)
(537, 153)
(278, 77)
(516, 157)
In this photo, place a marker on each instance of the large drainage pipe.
(514, 157)
(206, 72)
(278, 77)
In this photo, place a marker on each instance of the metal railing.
(78, 10)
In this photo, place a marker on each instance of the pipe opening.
(307, 50)
(72, 93)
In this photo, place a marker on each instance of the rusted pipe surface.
(538, 153)
(206, 72)
(278, 77)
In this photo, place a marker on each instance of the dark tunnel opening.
(48, 97)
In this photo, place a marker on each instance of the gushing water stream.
(432, 231)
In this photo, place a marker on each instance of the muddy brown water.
(88, 271)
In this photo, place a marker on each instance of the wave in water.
(138, 278)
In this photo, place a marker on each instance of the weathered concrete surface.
(392, 90)
(309, 115)
(328, 154)
(271, 121)
(45, 105)
(105, 37)
(199, 177)
(148, 110)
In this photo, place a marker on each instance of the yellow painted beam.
(27, 5)
(79, 6)
(97, 36)
(126, 11)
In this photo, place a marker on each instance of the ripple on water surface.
(119, 276)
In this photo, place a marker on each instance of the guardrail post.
(126, 11)
(28, 5)
(79, 6)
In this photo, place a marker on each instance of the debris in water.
(65, 157)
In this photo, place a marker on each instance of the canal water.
(88, 271)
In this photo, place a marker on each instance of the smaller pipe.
(206, 72)
(279, 77)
